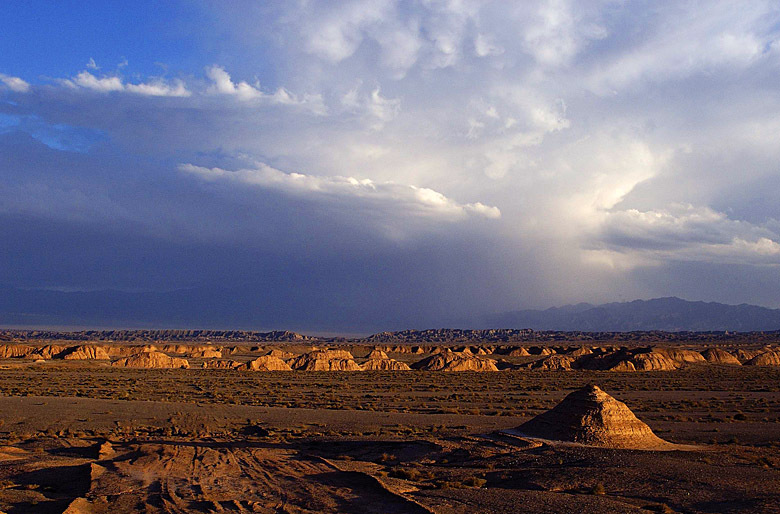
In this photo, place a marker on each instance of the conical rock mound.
(518, 352)
(592, 417)
(376, 353)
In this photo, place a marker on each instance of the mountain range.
(668, 314)
(227, 309)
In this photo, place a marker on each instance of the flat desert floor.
(78, 437)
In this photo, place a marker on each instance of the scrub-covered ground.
(83, 437)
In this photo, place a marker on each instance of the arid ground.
(84, 436)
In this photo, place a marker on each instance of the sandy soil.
(189, 457)
(81, 437)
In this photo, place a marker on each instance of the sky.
(393, 163)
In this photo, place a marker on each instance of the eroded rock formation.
(592, 417)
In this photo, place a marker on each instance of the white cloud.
(159, 88)
(485, 46)
(103, 84)
(336, 34)
(223, 84)
(92, 65)
(688, 233)
(403, 199)
(551, 40)
(723, 36)
(383, 109)
(376, 108)
(15, 83)
(430, 34)
(107, 84)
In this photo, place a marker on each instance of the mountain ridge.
(669, 314)
(251, 309)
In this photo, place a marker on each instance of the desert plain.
(175, 422)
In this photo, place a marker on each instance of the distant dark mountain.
(253, 309)
(668, 314)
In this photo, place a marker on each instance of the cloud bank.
(108, 84)
(405, 199)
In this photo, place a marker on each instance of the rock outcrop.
(128, 351)
(554, 363)
(518, 352)
(453, 361)
(746, 355)
(622, 366)
(325, 360)
(268, 363)
(579, 352)
(189, 350)
(376, 353)
(771, 358)
(151, 360)
(87, 352)
(592, 417)
(208, 353)
(222, 364)
(15, 351)
(681, 356)
(379, 361)
(384, 365)
(53, 351)
(281, 354)
(718, 356)
(653, 361)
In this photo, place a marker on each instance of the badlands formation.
(355, 357)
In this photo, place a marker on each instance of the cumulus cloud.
(484, 45)
(223, 84)
(407, 199)
(338, 33)
(429, 34)
(552, 41)
(716, 36)
(373, 105)
(685, 232)
(107, 84)
(14, 83)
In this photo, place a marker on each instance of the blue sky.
(52, 38)
(417, 161)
